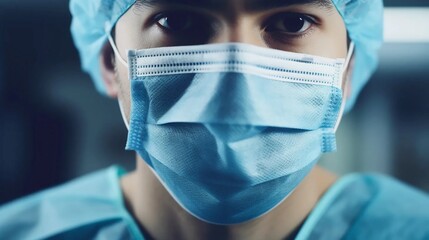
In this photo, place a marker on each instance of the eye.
(182, 27)
(290, 23)
(176, 22)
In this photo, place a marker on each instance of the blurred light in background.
(54, 126)
(407, 25)
(388, 131)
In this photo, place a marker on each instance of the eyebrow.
(258, 5)
(250, 5)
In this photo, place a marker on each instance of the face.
(303, 26)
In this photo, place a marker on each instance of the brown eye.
(176, 21)
(289, 23)
(179, 27)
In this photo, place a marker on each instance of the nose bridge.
(240, 29)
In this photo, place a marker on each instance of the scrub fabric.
(358, 206)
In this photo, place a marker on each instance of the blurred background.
(54, 126)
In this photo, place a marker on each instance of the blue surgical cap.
(363, 20)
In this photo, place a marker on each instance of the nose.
(240, 30)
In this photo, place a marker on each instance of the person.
(229, 105)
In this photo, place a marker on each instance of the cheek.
(128, 33)
(333, 41)
(124, 93)
(347, 79)
(328, 40)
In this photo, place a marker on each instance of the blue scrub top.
(357, 206)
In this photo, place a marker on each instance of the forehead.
(250, 5)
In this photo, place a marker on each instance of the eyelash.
(187, 14)
(312, 21)
(190, 20)
(276, 34)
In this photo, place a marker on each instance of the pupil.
(176, 22)
(294, 24)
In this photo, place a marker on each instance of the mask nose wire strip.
(343, 103)
(113, 45)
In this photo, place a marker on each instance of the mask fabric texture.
(232, 129)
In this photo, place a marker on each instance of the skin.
(143, 27)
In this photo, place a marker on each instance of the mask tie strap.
(343, 102)
(116, 52)
(112, 43)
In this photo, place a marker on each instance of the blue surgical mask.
(232, 129)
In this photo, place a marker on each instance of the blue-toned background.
(54, 126)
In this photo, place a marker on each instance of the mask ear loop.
(113, 45)
(123, 62)
(121, 108)
(344, 100)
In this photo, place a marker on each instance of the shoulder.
(92, 199)
(393, 210)
(369, 206)
(393, 197)
(388, 208)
